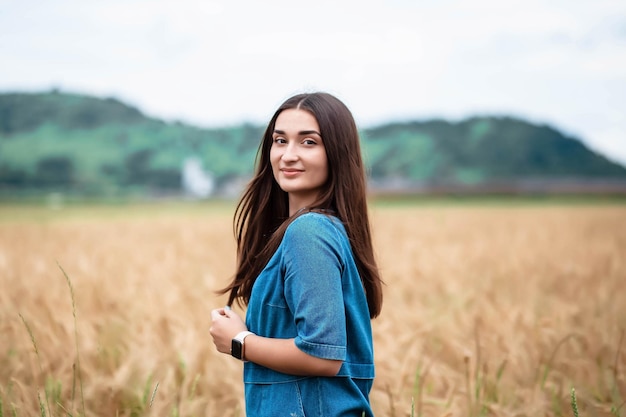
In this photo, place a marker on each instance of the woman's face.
(298, 157)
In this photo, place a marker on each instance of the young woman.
(306, 269)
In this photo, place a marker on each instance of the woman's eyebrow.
(300, 133)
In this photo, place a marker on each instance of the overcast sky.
(215, 63)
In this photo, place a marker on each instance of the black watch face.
(236, 348)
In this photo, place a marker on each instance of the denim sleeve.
(313, 287)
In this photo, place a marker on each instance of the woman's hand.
(225, 324)
(281, 355)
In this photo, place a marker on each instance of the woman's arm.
(281, 355)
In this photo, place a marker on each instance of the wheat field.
(490, 310)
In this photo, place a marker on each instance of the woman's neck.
(297, 204)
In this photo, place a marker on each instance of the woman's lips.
(291, 172)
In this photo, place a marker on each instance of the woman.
(306, 269)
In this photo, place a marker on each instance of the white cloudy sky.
(212, 63)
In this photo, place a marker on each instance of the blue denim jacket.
(310, 290)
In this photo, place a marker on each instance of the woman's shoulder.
(314, 231)
(314, 220)
(315, 224)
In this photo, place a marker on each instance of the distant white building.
(196, 182)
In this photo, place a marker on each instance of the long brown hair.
(262, 214)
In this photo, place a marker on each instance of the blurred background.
(164, 99)
(495, 309)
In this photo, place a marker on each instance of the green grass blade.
(574, 403)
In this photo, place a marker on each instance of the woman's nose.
(290, 153)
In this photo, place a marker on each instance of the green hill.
(480, 149)
(26, 112)
(91, 146)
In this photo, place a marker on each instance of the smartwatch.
(237, 345)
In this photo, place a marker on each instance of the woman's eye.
(309, 142)
(280, 140)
